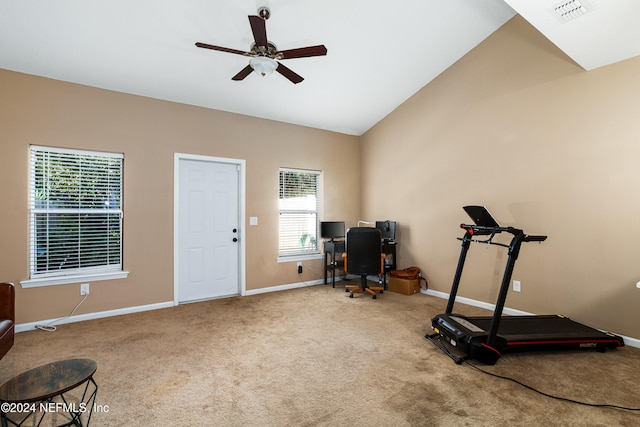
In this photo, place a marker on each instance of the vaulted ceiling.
(379, 52)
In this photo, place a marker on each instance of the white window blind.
(299, 206)
(76, 212)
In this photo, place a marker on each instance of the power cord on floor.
(597, 405)
(308, 284)
(435, 339)
(49, 327)
(314, 272)
(304, 281)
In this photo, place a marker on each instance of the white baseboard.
(21, 327)
(91, 316)
(631, 342)
(474, 303)
(285, 287)
(301, 285)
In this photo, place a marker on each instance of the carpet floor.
(313, 357)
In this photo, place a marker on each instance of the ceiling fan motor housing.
(270, 50)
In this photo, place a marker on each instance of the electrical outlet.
(516, 286)
(84, 289)
(299, 267)
(638, 285)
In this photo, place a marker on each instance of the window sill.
(76, 278)
(295, 258)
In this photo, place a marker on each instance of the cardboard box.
(404, 286)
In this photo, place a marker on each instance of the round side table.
(63, 392)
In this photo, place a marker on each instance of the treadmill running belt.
(540, 329)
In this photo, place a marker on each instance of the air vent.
(571, 9)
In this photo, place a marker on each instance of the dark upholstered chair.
(364, 257)
(7, 317)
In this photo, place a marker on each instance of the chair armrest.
(7, 302)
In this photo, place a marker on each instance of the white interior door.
(208, 229)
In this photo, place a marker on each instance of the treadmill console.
(482, 218)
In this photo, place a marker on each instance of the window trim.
(309, 255)
(294, 258)
(73, 276)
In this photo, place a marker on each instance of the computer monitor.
(387, 228)
(331, 229)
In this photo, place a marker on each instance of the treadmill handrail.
(514, 250)
(492, 231)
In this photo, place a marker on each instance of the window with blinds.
(75, 212)
(299, 212)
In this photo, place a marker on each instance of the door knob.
(235, 230)
(235, 239)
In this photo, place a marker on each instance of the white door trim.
(241, 217)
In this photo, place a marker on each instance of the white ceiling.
(379, 52)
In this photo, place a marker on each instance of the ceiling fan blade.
(243, 73)
(295, 78)
(223, 49)
(259, 29)
(303, 52)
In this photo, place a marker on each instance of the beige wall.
(514, 125)
(41, 111)
(517, 126)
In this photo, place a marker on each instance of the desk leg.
(326, 260)
(330, 264)
(333, 272)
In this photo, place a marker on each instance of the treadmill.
(486, 338)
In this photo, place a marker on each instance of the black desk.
(389, 249)
(334, 248)
(331, 248)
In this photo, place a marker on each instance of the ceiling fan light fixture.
(263, 65)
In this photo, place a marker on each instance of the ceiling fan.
(264, 54)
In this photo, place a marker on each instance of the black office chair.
(364, 256)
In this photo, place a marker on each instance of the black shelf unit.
(333, 250)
